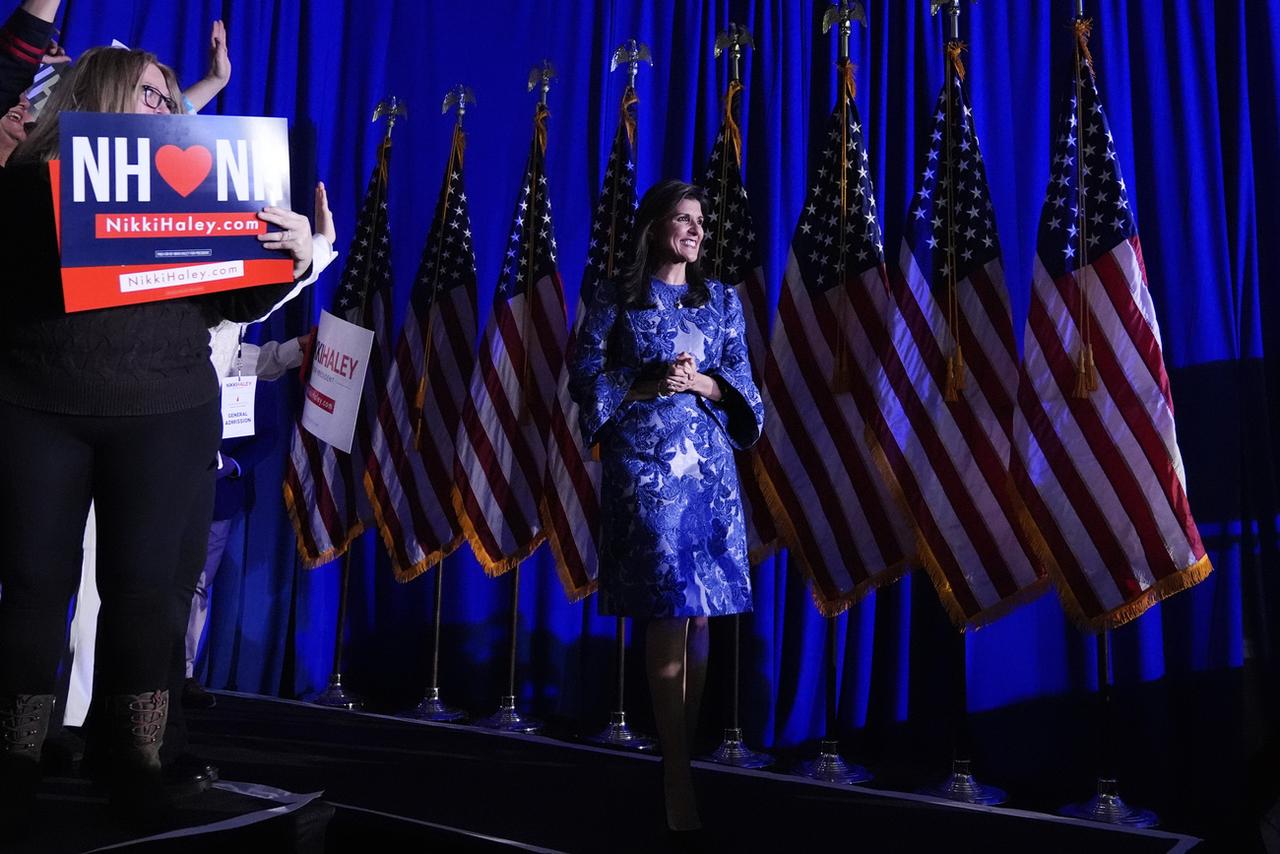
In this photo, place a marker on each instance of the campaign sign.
(154, 207)
(338, 366)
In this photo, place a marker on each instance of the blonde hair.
(102, 80)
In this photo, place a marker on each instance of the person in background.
(661, 376)
(118, 407)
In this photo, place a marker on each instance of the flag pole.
(539, 78)
(732, 750)
(830, 766)
(959, 784)
(508, 718)
(1106, 806)
(431, 707)
(619, 733)
(334, 695)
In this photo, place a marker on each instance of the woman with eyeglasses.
(662, 380)
(118, 406)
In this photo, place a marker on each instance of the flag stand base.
(432, 708)
(960, 785)
(507, 719)
(335, 697)
(733, 752)
(619, 734)
(1107, 807)
(830, 767)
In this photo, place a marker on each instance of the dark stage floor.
(390, 784)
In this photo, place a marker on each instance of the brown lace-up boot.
(24, 720)
(137, 731)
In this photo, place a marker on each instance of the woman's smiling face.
(680, 238)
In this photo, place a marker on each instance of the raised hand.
(324, 217)
(219, 59)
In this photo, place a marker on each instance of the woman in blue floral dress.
(663, 383)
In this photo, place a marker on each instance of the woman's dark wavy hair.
(657, 206)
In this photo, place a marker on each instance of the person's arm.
(322, 252)
(23, 41)
(598, 389)
(45, 10)
(735, 403)
(247, 304)
(200, 93)
(275, 357)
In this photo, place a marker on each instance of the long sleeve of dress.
(739, 411)
(596, 386)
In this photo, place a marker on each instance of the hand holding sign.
(294, 238)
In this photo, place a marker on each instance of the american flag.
(732, 256)
(500, 470)
(323, 487)
(950, 375)
(410, 467)
(1101, 471)
(571, 504)
(835, 514)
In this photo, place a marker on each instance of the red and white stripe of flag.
(409, 476)
(1103, 475)
(500, 471)
(949, 462)
(835, 513)
(762, 531)
(571, 502)
(325, 502)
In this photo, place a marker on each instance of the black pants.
(145, 474)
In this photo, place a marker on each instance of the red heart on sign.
(183, 170)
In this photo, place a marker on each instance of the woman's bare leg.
(695, 676)
(665, 652)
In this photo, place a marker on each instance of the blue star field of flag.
(531, 249)
(959, 205)
(730, 249)
(614, 218)
(1084, 151)
(833, 221)
(449, 259)
(368, 269)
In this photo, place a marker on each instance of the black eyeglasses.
(153, 98)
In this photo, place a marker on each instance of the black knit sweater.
(132, 360)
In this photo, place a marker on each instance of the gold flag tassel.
(954, 49)
(1086, 370)
(842, 367)
(1083, 28)
(731, 129)
(629, 100)
(956, 373)
(1086, 373)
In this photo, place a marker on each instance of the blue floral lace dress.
(673, 540)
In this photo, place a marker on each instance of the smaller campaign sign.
(338, 366)
(155, 207)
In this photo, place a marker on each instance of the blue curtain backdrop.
(1192, 90)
